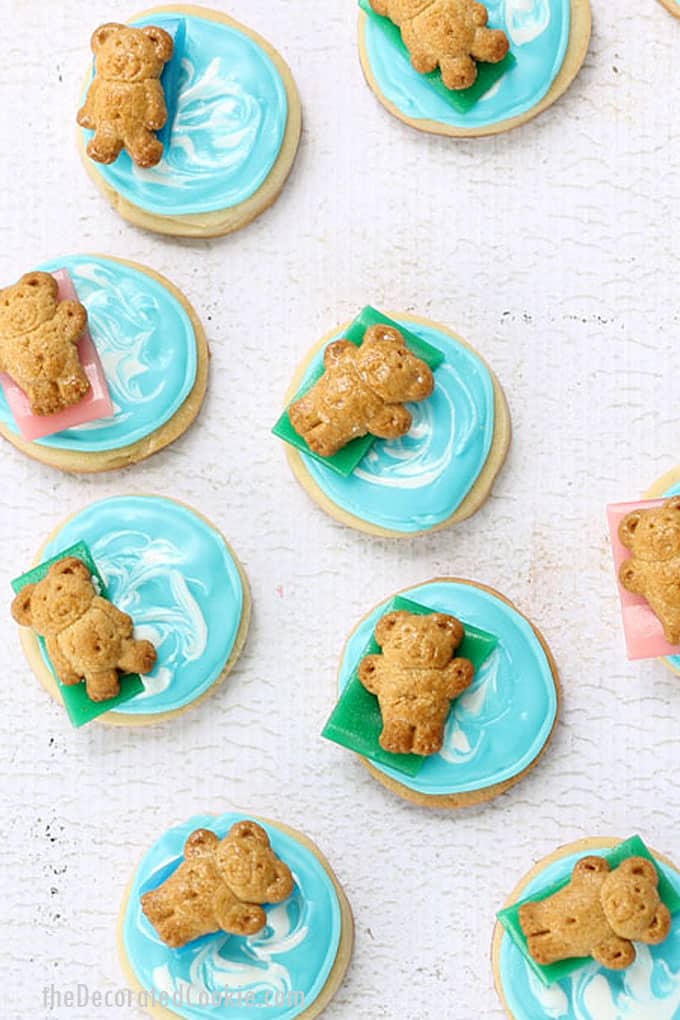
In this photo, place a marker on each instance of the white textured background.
(555, 251)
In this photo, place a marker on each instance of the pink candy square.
(643, 630)
(96, 404)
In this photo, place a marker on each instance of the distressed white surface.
(555, 251)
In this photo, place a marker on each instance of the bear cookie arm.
(415, 678)
(220, 886)
(87, 637)
(125, 104)
(600, 913)
(451, 35)
(362, 391)
(38, 343)
(653, 571)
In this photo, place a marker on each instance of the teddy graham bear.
(87, 637)
(38, 343)
(219, 886)
(449, 34)
(416, 678)
(653, 537)
(125, 103)
(600, 914)
(363, 390)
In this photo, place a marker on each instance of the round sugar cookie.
(289, 971)
(233, 139)
(549, 40)
(500, 727)
(176, 575)
(155, 358)
(442, 471)
(673, 6)
(649, 988)
(666, 486)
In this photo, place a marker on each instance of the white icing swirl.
(211, 971)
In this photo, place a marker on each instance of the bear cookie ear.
(104, 32)
(70, 567)
(660, 928)
(21, 606)
(628, 527)
(387, 624)
(161, 40)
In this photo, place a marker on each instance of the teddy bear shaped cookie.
(600, 913)
(653, 537)
(219, 886)
(38, 343)
(363, 390)
(449, 34)
(125, 103)
(416, 678)
(87, 637)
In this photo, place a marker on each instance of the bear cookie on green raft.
(447, 693)
(462, 68)
(183, 586)
(592, 931)
(190, 122)
(395, 426)
(86, 636)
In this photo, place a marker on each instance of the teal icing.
(147, 346)
(539, 33)
(413, 484)
(648, 990)
(673, 660)
(293, 954)
(229, 122)
(174, 574)
(501, 723)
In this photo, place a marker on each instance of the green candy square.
(509, 917)
(345, 461)
(356, 721)
(81, 709)
(461, 100)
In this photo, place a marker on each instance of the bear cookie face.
(653, 537)
(219, 886)
(38, 343)
(362, 391)
(87, 637)
(600, 913)
(415, 678)
(125, 104)
(451, 35)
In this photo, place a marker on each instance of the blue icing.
(293, 954)
(648, 990)
(417, 482)
(230, 118)
(501, 723)
(174, 574)
(673, 660)
(147, 345)
(539, 33)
